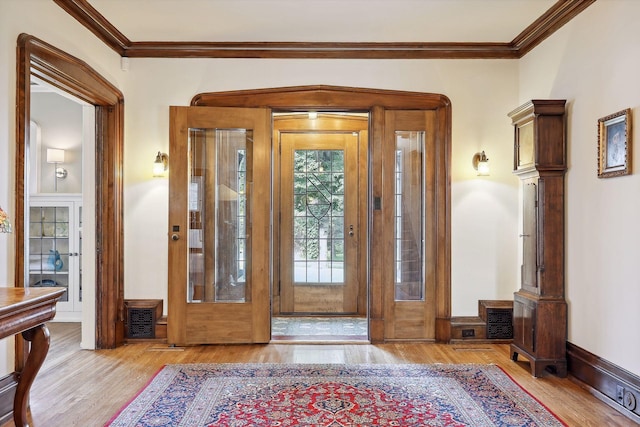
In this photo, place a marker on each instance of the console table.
(25, 311)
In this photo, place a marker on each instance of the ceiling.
(322, 20)
(214, 28)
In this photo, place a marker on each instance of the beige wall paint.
(60, 122)
(594, 63)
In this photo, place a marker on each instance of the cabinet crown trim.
(549, 107)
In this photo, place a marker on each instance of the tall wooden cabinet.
(539, 309)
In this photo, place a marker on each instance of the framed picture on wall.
(614, 144)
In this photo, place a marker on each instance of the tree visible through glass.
(318, 209)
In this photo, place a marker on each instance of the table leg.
(39, 338)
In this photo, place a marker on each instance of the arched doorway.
(395, 117)
(69, 74)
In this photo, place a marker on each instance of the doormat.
(318, 328)
(333, 395)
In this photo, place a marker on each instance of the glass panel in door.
(318, 210)
(218, 239)
(409, 216)
(49, 247)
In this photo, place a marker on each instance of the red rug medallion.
(332, 404)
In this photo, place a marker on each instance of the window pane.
(318, 211)
(219, 246)
(409, 216)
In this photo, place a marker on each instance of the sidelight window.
(409, 218)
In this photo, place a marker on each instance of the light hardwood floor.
(86, 388)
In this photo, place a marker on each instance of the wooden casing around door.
(379, 282)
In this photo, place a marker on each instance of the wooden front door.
(219, 225)
(318, 223)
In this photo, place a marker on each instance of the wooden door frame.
(67, 73)
(357, 122)
(376, 101)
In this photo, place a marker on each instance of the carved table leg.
(39, 338)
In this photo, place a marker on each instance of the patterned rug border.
(329, 366)
(532, 396)
(142, 389)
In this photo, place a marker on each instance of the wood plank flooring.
(86, 388)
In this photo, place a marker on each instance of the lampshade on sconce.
(56, 156)
(480, 163)
(161, 164)
(5, 224)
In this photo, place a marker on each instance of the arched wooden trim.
(72, 75)
(337, 98)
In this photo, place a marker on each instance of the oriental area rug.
(333, 395)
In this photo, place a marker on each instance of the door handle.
(351, 230)
(175, 237)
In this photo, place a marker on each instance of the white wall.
(594, 63)
(60, 121)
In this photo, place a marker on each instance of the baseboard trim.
(8, 385)
(468, 329)
(603, 378)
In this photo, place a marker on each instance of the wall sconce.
(161, 164)
(312, 115)
(5, 224)
(56, 156)
(480, 163)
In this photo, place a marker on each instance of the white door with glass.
(54, 250)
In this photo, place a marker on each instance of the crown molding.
(88, 16)
(553, 19)
(327, 50)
